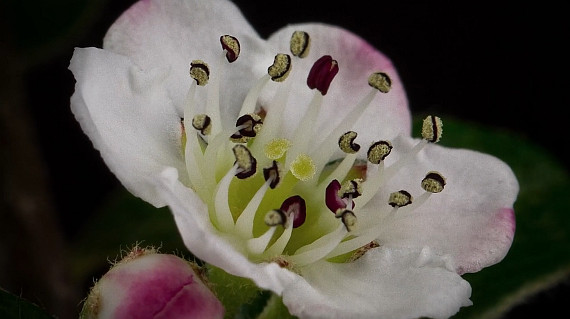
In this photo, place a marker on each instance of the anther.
(200, 72)
(378, 151)
(247, 164)
(351, 189)
(273, 172)
(275, 217)
(231, 45)
(202, 123)
(346, 142)
(322, 73)
(434, 182)
(249, 125)
(380, 81)
(295, 210)
(300, 44)
(400, 199)
(432, 129)
(280, 68)
(348, 219)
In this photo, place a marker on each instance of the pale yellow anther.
(280, 68)
(432, 129)
(380, 81)
(434, 182)
(247, 164)
(274, 218)
(303, 167)
(378, 151)
(200, 72)
(400, 199)
(349, 220)
(351, 188)
(300, 44)
(276, 148)
(202, 123)
(346, 142)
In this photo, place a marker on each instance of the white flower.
(351, 249)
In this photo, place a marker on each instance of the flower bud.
(146, 284)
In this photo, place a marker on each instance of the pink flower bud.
(146, 284)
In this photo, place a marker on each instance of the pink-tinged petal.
(471, 219)
(215, 248)
(489, 246)
(172, 33)
(385, 282)
(128, 116)
(388, 114)
(152, 286)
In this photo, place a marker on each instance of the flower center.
(285, 200)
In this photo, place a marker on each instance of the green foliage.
(12, 306)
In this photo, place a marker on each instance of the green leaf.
(121, 223)
(541, 247)
(12, 306)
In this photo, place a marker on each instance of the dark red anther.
(294, 207)
(332, 200)
(322, 73)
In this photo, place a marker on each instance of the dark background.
(501, 66)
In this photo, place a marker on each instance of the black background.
(503, 66)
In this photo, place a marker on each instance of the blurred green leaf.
(12, 306)
(122, 222)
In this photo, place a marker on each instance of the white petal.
(384, 283)
(387, 117)
(172, 33)
(471, 219)
(206, 243)
(127, 115)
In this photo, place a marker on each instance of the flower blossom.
(291, 161)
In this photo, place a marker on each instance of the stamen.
(300, 44)
(346, 142)
(200, 72)
(280, 244)
(202, 123)
(276, 148)
(349, 220)
(232, 47)
(351, 188)
(221, 204)
(380, 81)
(245, 161)
(248, 126)
(275, 217)
(295, 209)
(322, 73)
(273, 174)
(434, 182)
(432, 129)
(244, 223)
(256, 246)
(318, 249)
(379, 151)
(303, 167)
(400, 199)
(281, 67)
(333, 200)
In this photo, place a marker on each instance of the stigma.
(274, 194)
